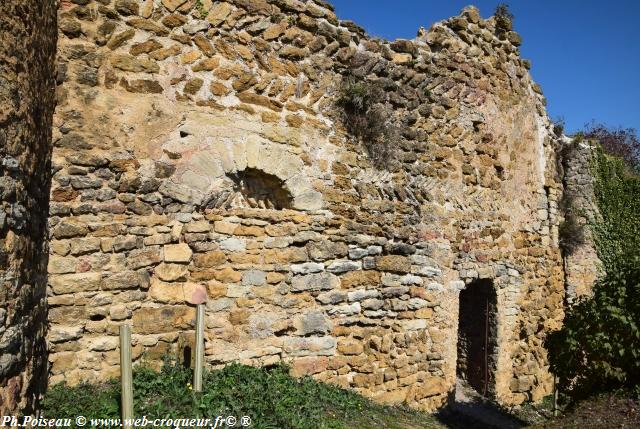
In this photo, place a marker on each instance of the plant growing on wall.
(598, 348)
(504, 17)
(204, 12)
(571, 231)
(366, 117)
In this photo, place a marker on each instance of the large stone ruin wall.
(199, 154)
(581, 263)
(28, 34)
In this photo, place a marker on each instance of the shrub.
(598, 348)
(504, 17)
(366, 117)
(623, 143)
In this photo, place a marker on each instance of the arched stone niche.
(211, 162)
(251, 188)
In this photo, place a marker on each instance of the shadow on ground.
(477, 416)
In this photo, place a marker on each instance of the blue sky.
(585, 54)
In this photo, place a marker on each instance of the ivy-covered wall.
(598, 348)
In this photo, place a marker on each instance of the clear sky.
(585, 53)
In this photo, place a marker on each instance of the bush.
(598, 349)
(366, 117)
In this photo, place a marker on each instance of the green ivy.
(598, 348)
(617, 192)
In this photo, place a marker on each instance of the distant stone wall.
(28, 34)
(582, 265)
(199, 154)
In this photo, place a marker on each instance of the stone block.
(307, 268)
(254, 278)
(122, 280)
(166, 293)
(62, 265)
(71, 283)
(178, 253)
(316, 346)
(308, 366)
(340, 267)
(171, 272)
(103, 344)
(150, 320)
(62, 333)
(228, 275)
(394, 263)
(315, 282)
(233, 244)
(314, 322)
(350, 347)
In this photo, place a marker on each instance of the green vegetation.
(504, 17)
(366, 118)
(598, 349)
(617, 191)
(201, 9)
(270, 397)
(558, 126)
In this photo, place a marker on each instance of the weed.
(504, 17)
(367, 118)
(558, 126)
(201, 10)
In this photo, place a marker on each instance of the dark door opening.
(477, 331)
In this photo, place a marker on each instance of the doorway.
(477, 333)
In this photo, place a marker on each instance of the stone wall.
(582, 265)
(27, 50)
(199, 154)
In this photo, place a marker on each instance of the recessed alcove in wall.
(220, 162)
(251, 188)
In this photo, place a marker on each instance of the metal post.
(199, 361)
(126, 375)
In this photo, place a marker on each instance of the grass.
(270, 397)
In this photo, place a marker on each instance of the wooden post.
(126, 375)
(555, 396)
(199, 361)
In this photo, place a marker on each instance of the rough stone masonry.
(200, 154)
(27, 69)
